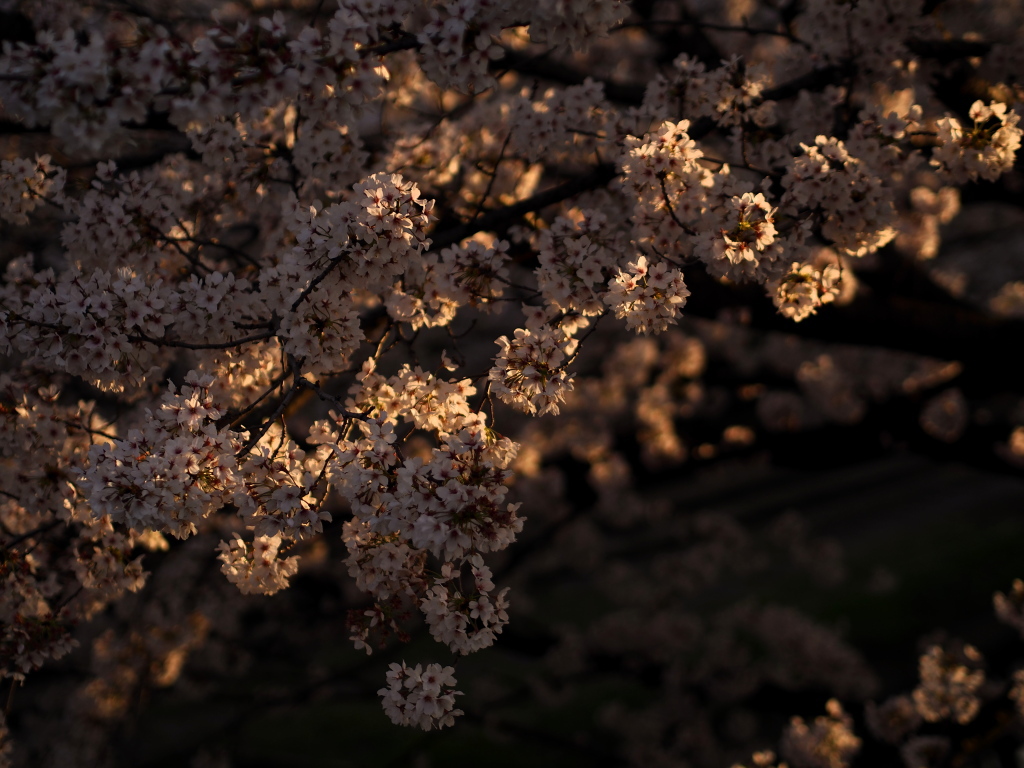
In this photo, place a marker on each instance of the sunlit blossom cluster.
(985, 149)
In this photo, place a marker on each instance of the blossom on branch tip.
(649, 298)
(424, 698)
(256, 568)
(986, 150)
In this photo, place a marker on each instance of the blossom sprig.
(671, 187)
(649, 298)
(421, 697)
(256, 568)
(737, 239)
(730, 94)
(528, 373)
(173, 471)
(281, 484)
(466, 623)
(986, 150)
(577, 257)
(854, 206)
(25, 185)
(798, 293)
(434, 288)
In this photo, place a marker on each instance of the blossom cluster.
(256, 568)
(529, 372)
(855, 207)
(983, 150)
(172, 472)
(424, 698)
(949, 684)
(731, 94)
(577, 260)
(800, 292)
(50, 584)
(828, 742)
(465, 623)
(648, 297)
(25, 185)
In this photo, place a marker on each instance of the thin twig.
(10, 697)
(315, 282)
(671, 210)
(34, 532)
(327, 397)
(494, 176)
(716, 27)
(277, 382)
(265, 427)
(211, 345)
